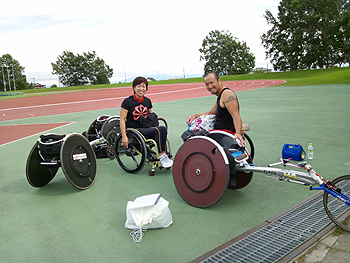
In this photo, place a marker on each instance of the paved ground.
(334, 247)
(60, 223)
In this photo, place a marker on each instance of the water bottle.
(310, 151)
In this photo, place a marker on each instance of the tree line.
(76, 70)
(72, 70)
(306, 34)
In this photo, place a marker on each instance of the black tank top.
(224, 120)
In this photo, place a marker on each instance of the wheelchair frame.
(140, 151)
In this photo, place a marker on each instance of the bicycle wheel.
(336, 209)
(250, 145)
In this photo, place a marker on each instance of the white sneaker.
(165, 161)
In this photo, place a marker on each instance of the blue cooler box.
(293, 151)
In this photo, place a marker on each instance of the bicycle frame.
(292, 176)
(334, 193)
(308, 179)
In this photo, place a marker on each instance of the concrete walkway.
(334, 247)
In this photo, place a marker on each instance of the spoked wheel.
(201, 171)
(78, 161)
(336, 209)
(39, 175)
(131, 159)
(249, 145)
(111, 144)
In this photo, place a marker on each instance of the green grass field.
(293, 78)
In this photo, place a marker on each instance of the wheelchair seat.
(72, 152)
(49, 148)
(205, 166)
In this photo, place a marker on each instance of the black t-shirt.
(224, 120)
(135, 110)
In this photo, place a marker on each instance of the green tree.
(11, 75)
(76, 70)
(307, 34)
(342, 31)
(223, 53)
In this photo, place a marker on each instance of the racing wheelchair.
(72, 152)
(101, 137)
(206, 165)
(139, 152)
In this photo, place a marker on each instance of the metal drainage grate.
(279, 238)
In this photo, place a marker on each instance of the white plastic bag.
(203, 123)
(147, 212)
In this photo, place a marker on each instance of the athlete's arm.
(191, 118)
(122, 124)
(230, 102)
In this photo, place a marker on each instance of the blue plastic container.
(293, 151)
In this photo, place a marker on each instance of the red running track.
(68, 102)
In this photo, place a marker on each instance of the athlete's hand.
(190, 119)
(125, 141)
(239, 137)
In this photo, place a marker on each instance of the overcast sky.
(145, 37)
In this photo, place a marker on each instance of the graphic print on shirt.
(139, 111)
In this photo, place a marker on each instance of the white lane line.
(36, 133)
(88, 101)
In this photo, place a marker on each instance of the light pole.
(8, 77)
(13, 75)
(3, 76)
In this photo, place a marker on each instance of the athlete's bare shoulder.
(228, 96)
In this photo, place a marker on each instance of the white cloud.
(146, 37)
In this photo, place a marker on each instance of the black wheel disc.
(39, 175)
(111, 124)
(78, 161)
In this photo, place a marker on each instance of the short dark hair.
(215, 74)
(138, 81)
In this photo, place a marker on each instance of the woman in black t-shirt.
(135, 107)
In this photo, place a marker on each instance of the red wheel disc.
(201, 171)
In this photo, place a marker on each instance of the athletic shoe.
(165, 161)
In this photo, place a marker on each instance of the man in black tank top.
(226, 107)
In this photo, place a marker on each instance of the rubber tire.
(251, 145)
(343, 182)
(111, 144)
(137, 145)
